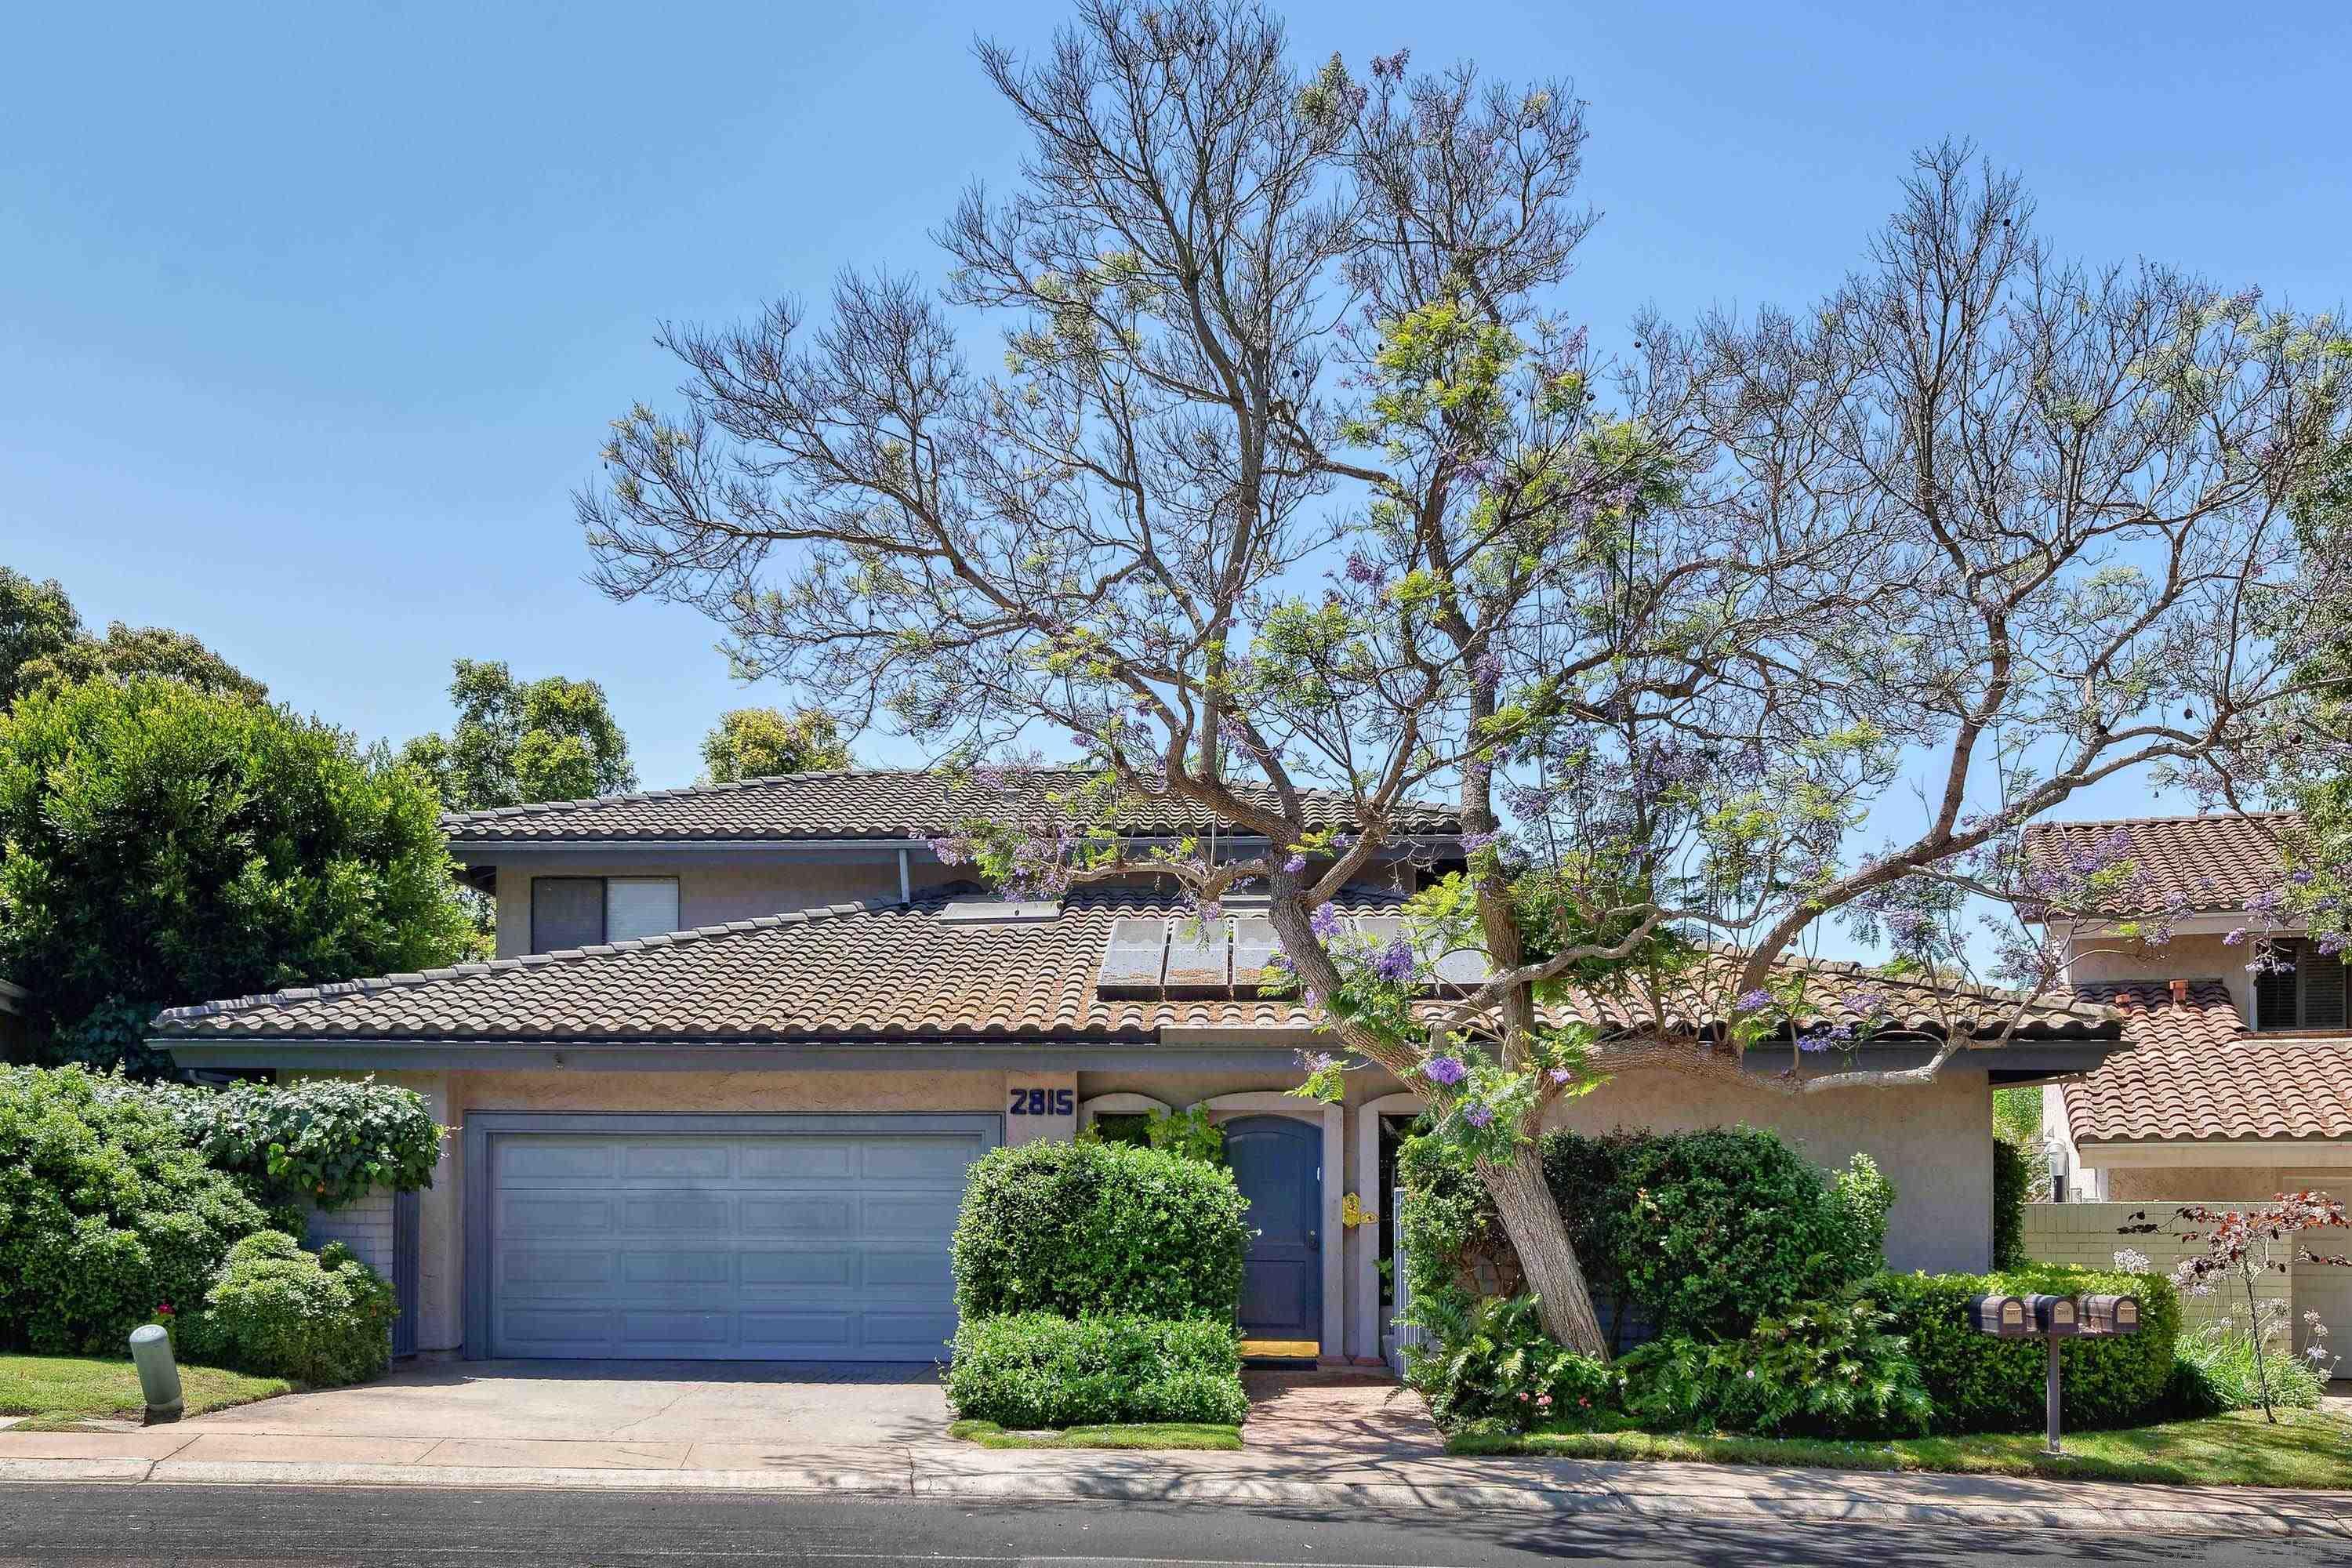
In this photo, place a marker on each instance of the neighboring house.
(12, 1022)
(717, 1096)
(2238, 1085)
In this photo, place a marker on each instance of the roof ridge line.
(294, 996)
(2051, 824)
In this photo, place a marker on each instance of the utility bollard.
(159, 1376)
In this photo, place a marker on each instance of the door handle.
(1315, 1239)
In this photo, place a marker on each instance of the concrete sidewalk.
(1329, 1480)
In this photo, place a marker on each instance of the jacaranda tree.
(1299, 473)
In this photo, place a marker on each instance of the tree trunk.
(1540, 1236)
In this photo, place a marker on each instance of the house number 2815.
(1044, 1102)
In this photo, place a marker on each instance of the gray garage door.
(824, 1245)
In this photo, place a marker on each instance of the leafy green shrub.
(1822, 1369)
(323, 1318)
(2215, 1370)
(2012, 1178)
(1698, 1233)
(1073, 1228)
(326, 1141)
(1495, 1363)
(1029, 1370)
(1979, 1384)
(105, 1214)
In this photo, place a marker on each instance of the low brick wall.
(2085, 1234)
(364, 1226)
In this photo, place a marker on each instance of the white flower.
(2132, 1262)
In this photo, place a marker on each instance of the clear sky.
(312, 317)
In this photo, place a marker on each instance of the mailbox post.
(2052, 1319)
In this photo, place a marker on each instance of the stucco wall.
(711, 891)
(2198, 957)
(2188, 1184)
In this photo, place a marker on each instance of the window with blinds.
(2308, 992)
(587, 911)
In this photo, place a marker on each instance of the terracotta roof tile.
(2219, 862)
(2194, 1071)
(887, 971)
(876, 802)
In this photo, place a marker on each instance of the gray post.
(159, 1377)
(2049, 1393)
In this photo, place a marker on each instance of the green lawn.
(58, 1390)
(2306, 1449)
(1130, 1434)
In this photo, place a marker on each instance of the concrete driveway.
(625, 1415)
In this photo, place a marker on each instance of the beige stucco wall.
(1933, 1143)
(2197, 957)
(712, 892)
(2188, 1184)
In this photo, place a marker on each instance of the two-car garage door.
(806, 1240)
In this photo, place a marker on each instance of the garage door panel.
(797, 1270)
(678, 1214)
(659, 1162)
(787, 1246)
(555, 1159)
(801, 1159)
(809, 1215)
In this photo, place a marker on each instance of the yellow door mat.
(1281, 1349)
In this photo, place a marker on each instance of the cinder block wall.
(2085, 1234)
(364, 1226)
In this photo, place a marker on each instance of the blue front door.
(1277, 1162)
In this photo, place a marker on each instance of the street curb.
(2266, 1514)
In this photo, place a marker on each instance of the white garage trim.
(1119, 1105)
(1368, 1326)
(482, 1127)
(1273, 1102)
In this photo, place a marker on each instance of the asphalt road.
(150, 1524)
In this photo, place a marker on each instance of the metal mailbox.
(2056, 1316)
(2110, 1315)
(2006, 1316)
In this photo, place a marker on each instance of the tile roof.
(877, 971)
(2220, 862)
(860, 803)
(2194, 1071)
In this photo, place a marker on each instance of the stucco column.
(441, 1239)
(1040, 1105)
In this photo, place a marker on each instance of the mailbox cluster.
(2052, 1319)
(2056, 1317)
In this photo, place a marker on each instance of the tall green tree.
(516, 741)
(43, 642)
(167, 845)
(759, 743)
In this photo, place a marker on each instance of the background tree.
(1296, 477)
(760, 743)
(167, 845)
(516, 741)
(42, 641)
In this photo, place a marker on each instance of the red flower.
(163, 1309)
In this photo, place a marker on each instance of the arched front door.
(1277, 1164)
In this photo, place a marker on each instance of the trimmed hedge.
(2012, 1175)
(105, 1214)
(325, 1141)
(1979, 1384)
(1696, 1233)
(323, 1318)
(1032, 1369)
(1078, 1228)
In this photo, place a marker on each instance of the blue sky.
(311, 318)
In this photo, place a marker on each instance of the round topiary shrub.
(323, 1318)
(105, 1214)
(1075, 1228)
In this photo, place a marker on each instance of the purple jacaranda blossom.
(1295, 865)
(1394, 962)
(2235, 937)
(1444, 1069)
(1325, 921)
(1314, 1062)
(1479, 1115)
(1814, 1042)
(1752, 1001)
(2330, 943)
(1362, 571)
(1473, 842)
(1311, 997)
(1560, 1076)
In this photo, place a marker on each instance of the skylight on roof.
(999, 911)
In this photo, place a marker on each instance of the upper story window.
(586, 911)
(2307, 994)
